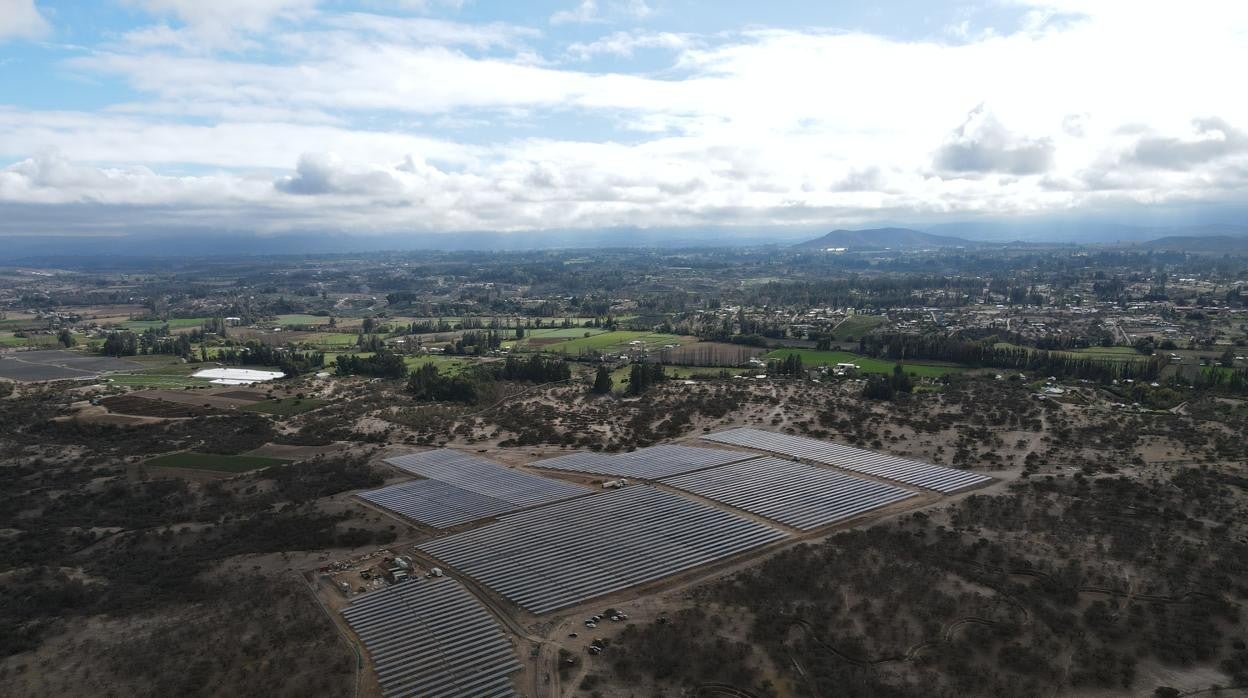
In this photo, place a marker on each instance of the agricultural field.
(710, 354)
(144, 407)
(7, 339)
(1107, 353)
(285, 407)
(213, 462)
(297, 319)
(619, 341)
(855, 326)
(181, 323)
(812, 357)
(445, 364)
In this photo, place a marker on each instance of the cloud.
(21, 19)
(589, 12)
(465, 125)
(326, 173)
(625, 43)
(982, 145)
(1214, 139)
(585, 11)
(222, 23)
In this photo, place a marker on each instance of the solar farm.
(911, 472)
(653, 463)
(485, 477)
(461, 488)
(432, 638)
(553, 545)
(798, 495)
(560, 555)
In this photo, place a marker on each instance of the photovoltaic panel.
(485, 477)
(882, 465)
(800, 495)
(436, 503)
(431, 638)
(651, 463)
(559, 555)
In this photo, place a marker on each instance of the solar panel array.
(911, 472)
(485, 477)
(800, 495)
(651, 463)
(436, 503)
(559, 555)
(431, 638)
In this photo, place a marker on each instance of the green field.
(854, 327)
(329, 339)
(562, 332)
(1107, 353)
(178, 323)
(301, 319)
(155, 380)
(286, 407)
(445, 364)
(208, 461)
(609, 342)
(40, 340)
(866, 364)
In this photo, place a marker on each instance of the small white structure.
(237, 376)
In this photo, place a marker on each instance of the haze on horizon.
(442, 116)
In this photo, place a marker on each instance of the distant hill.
(882, 238)
(1212, 244)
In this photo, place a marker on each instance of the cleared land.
(286, 407)
(214, 462)
(146, 407)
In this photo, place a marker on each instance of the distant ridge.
(882, 238)
(1212, 244)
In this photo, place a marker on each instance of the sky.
(445, 116)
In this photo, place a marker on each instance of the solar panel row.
(559, 555)
(436, 503)
(800, 495)
(485, 477)
(431, 638)
(911, 472)
(650, 463)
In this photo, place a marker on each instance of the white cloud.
(585, 11)
(21, 19)
(625, 43)
(590, 12)
(438, 125)
(219, 23)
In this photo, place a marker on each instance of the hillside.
(1212, 244)
(881, 238)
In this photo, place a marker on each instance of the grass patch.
(285, 407)
(208, 461)
(155, 380)
(446, 364)
(812, 357)
(40, 340)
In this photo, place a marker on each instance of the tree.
(602, 381)
(66, 338)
